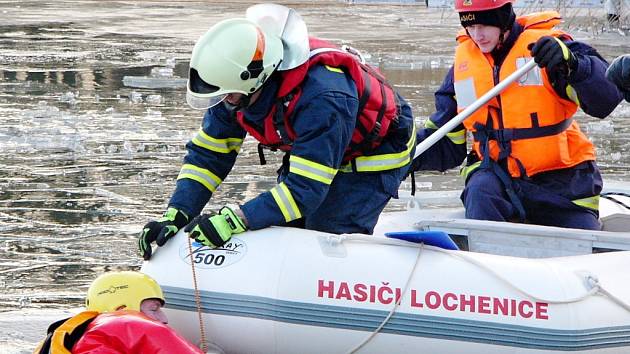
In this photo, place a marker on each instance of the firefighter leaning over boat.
(348, 136)
(530, 161)
(619, 74)
(123, 315)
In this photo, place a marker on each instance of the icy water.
(86, 159)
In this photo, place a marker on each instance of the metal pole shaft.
(451, 124)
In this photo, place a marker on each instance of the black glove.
(551, 53)
(619, 73)
(215, 230)
(161, 231)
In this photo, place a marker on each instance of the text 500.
(209, 258)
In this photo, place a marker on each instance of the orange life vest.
(378, 104)
(63, 334)
(528, 123)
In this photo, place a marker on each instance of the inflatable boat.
(515, 239)
(285, 290)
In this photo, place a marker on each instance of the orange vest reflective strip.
(530, 102)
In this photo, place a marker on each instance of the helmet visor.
(196, 101)
(200, 94)
(203, 95)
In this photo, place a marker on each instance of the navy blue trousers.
(354, 202)
(546, 197)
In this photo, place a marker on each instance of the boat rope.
(615, 299)
(203, 345)
(394, 308)
(610, 196)
(591, 281)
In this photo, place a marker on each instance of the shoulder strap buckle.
(353, 51)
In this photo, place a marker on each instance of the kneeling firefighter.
(348, 135)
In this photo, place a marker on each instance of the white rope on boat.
(394, 308)
(374, 239)
(592, 281)
(614, 299)
(594, 285)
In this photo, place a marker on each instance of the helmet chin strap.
(501, 40)
(245, 101)
(242, 103)
(505, 28)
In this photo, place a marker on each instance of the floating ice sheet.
(154, 82)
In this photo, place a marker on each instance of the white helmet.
(287, 24)
(234, 56)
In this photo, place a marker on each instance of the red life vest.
(378, 106)
(123, 331)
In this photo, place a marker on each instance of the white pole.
(451, 124)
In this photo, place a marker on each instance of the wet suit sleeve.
(323, 122)
(596, 95)
(211, 156)
(119, 333)
(450, 151)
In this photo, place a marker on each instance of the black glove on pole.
(551, 53)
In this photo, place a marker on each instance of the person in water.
(348, 136)
(123, 315)
(619, 74)
(530, 161)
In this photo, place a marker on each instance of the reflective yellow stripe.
(590, 202)
(347, 168)
(337, 70)
(430, 125)
(385, 162)
(572, 94)
(457, 137)
(465, 171)
(565, 50)
(201, 175)
(313, 170)
(286, 203)
(217, 145)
